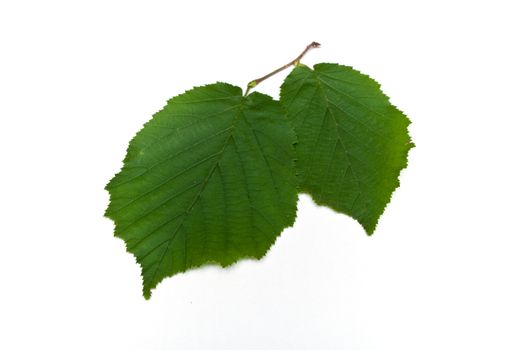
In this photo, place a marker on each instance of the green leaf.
(352, 143)
(209, 179)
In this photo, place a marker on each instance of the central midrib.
(200, 192)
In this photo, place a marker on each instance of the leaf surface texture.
(352, 142)
(209, 179)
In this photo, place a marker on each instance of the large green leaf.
(352, 142)
(209, 179)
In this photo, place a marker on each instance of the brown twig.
(296, 61)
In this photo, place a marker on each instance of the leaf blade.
(200, 186)
(352, 142)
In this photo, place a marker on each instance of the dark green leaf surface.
(352, 142)
(209, 179)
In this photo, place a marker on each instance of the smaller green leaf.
(352, 142)
(210, 179)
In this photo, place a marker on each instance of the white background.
(446, 268)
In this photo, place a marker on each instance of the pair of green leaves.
(214, 176)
